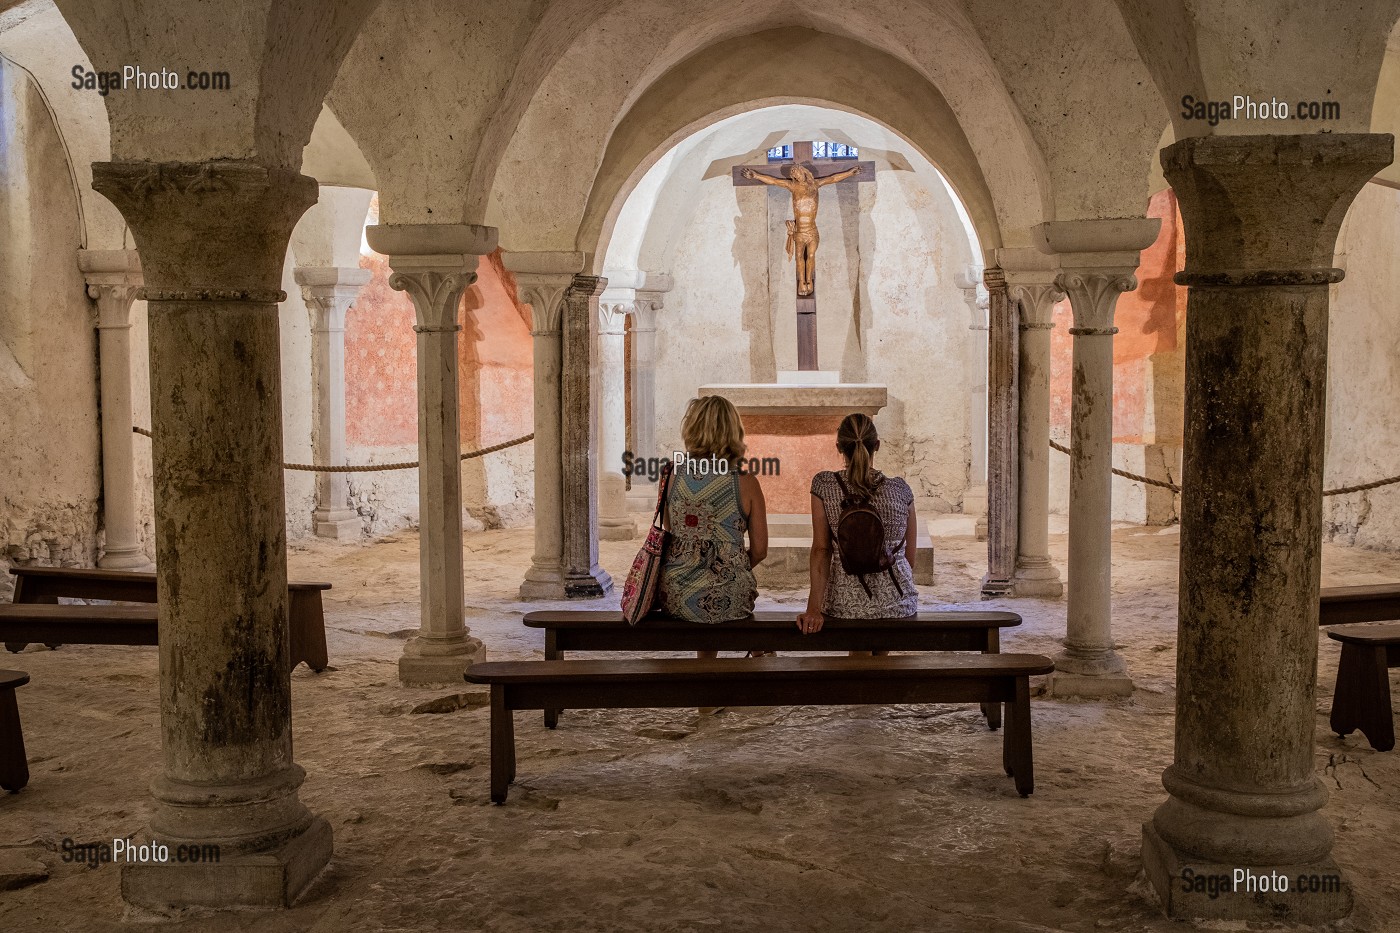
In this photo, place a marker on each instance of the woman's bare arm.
(818, 569)
(756, 515)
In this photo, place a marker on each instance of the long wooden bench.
(1341, 605)
(605, 630)
(35, 616)
(822, 681)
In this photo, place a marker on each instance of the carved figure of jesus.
(802, 238)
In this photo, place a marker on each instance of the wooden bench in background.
(604, 630)
(826, 681)
(14, 766)
(1365, 623)
(35, 617)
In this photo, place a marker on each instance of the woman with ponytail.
(886, 593)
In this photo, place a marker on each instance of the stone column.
(975, 496)
(614, 524)
(212, 238)
(1001, 437)
(1097, 259)
(328, 293)
(113, 278)
(541, 280)
(583, 577)
(435, 264)
(1261, 216)
(1030, 275)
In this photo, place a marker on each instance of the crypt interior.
(1132, 359)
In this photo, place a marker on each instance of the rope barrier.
(379, 467)
(1339, 491)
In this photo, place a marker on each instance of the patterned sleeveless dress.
(706, 577)
(845, 597)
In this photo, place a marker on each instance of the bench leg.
(14, 765)
(306, 618)
(552, 653)
(993, 713)
(1362, 696)
(1016, 739)
(502, 745)
(15, 647)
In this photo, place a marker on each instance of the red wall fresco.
(495, 354)
(1146, 361)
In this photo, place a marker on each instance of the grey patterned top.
(845, 597)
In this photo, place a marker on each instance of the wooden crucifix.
(803, 176)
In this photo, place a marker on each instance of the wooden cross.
(820, 168)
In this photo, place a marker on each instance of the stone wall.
(1363, 419)
(50, 466)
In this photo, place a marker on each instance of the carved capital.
(208, 230)
(1037, 303)
(1093, 296)
(544, 293)
(113, 278)
(612, 317)
(329, 291)
(436, 294)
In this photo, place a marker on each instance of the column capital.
(208, 231)
(612, 316)
(1268, 183)
(434, 264)
(541, 280)
(1097, 259)
(113, 278)
(1037, 302)
(1093, 296)
(329, 291)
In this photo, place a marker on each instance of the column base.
(995, 589)
(428, 662)
(265, 879)
(543, 583)
(1191, 889)
(617, 529)
(338, 526)
(591, 585)
(1037, 578)
(980, 529)
(125, 559)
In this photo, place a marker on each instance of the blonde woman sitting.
(708, 574)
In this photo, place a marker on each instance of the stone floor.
(791, 819)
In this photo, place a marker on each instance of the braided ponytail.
(857, 440)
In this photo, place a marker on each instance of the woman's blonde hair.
(857, 441)
(711, 428)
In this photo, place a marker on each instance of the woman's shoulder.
(824, 479)
(898, 486)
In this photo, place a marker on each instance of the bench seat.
(810, 681)
(606, 630)
(54, 625)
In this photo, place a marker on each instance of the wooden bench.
(35, 617)
(1361, 699)
(634, 684)
(604, 630)
(1341, 605)
(14, 766)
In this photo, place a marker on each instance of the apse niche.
(895, 335)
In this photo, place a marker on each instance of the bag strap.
(663, 493)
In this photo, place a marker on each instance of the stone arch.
(990, 148)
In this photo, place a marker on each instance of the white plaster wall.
(889, 310)
(1363, 419)
(141, 417)
(50, 467)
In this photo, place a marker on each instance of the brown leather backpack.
(860, 538)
